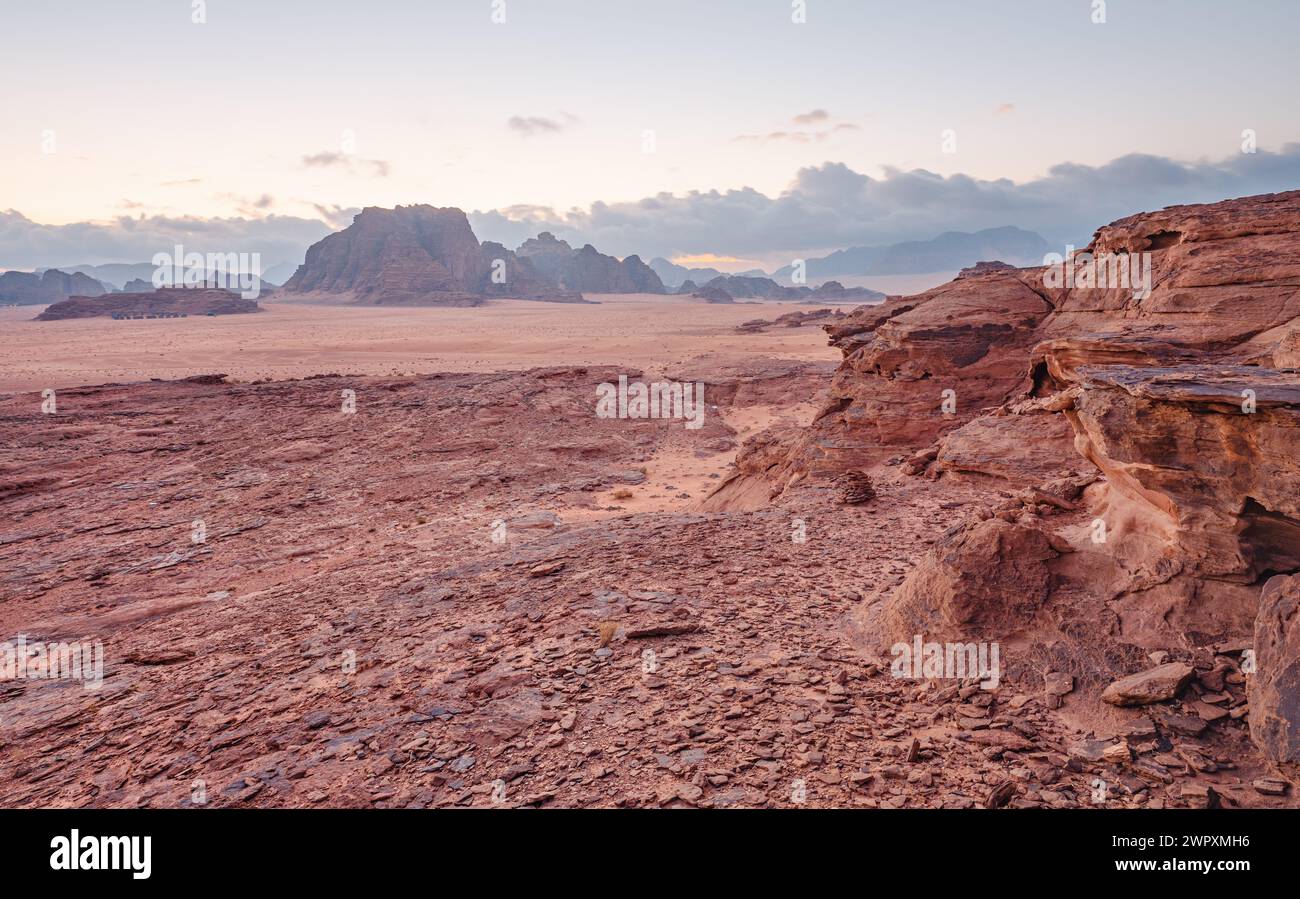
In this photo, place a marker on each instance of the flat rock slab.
(1154, 685)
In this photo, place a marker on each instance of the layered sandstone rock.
(917, 367)
(1172, 409)
(987, 582)
(414, 256)
(168, 301)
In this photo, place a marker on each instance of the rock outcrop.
(1138, 437)
(50, 286)
(415, 256)
(1275, 686)
(168, 301)
(588, 270)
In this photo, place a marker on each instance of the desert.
(440, 577)
(868, 430)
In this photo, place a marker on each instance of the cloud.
(816, 117)
(828, 206)
(25, 244)
(832, 206)
(812, 118)
(528, 126)
(329, 159)
(1004, 108)
(337, 217)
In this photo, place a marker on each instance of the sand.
(647, 332)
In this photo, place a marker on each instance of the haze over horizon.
(638, 131)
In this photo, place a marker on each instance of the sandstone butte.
(416, 256)
(429, 603)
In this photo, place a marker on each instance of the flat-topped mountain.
(167, 301)
(415, 256)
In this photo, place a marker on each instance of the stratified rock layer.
(1169, 407)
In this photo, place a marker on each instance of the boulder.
(1274, 688)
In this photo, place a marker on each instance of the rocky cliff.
(1137, 439)
(415, 256)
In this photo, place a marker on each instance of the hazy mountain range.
(949, 252)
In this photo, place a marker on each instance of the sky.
(721, 129)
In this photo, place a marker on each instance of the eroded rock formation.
(1167, 403)
(415, 256)
(588, 270)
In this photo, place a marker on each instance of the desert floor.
(653, 333)
(469, 590)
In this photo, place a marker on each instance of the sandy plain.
(652, 333)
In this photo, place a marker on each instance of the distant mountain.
(588, 270)
(117, 275)
(724, 288)
(279, 273)
(950, 251)
(114, 274)
(49, 286)
(675, 276)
